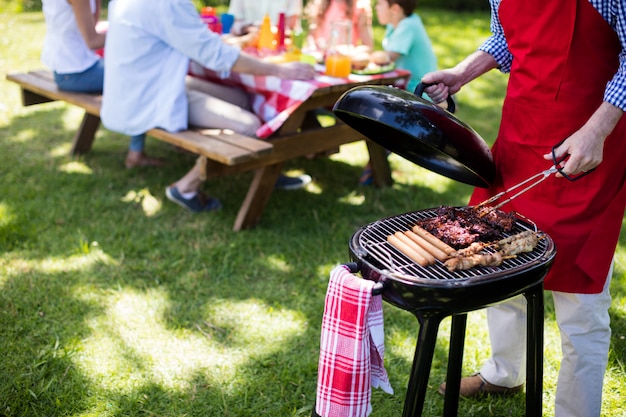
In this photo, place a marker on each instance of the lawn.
(116, 302)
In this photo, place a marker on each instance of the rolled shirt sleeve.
(496, 44)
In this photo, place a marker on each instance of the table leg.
(81, 144)
(258, 195)
(379, 164)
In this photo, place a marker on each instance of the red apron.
(564, 54)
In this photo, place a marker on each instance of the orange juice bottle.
(338, 62)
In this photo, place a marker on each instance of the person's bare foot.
(139, 159)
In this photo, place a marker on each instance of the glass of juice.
(338, 65)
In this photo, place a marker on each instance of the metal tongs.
(537, 178)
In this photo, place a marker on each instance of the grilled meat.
(472, 249)
(461, 263)
(519, 243)
(460, 227)
(509, 247)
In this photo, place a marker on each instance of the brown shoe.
(475, 385)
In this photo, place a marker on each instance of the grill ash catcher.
(432, 137)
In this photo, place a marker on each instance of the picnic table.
(289, 111)
(291, 129)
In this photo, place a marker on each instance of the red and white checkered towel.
(352, 347)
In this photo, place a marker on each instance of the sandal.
(198, 203)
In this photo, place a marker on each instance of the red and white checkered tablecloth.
(275, 99)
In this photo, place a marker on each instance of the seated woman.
(69, 51)
(322, 13)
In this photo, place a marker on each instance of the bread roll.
(360, 60)
(380, 58)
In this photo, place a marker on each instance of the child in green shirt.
(406, 40)
(407, 44)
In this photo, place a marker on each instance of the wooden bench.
(224, 152)
(225, 147)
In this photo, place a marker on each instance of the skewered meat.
(470, 250)
(519, 243)
(461, 263)
(460, 227)
(509, 247)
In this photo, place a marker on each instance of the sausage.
(433, 239)
(407, 250)
(416, 247)
(426, 245)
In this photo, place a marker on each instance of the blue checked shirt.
(613, 11)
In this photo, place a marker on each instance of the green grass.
(116, 302)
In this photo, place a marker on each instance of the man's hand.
(586, 146)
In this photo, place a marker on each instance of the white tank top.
(64, 49)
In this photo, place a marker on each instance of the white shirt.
(148, 47)
(64, 49)
(253, 11)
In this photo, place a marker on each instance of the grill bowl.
(410, 286)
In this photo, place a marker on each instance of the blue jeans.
(137, 143)
(88, 81)
(91, 81)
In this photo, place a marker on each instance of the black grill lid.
(419, 131)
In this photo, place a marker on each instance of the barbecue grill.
(432, 137)
(432, 293)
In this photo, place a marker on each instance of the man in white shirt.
(148, 48)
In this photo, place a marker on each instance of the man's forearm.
(474, 66)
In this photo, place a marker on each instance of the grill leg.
(534, 363)
(455, 364)
(424, 350)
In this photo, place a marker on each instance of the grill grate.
(373, 240)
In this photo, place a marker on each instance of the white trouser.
(216, 106)
(584, 324)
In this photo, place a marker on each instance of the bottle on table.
(298, 35)
(280, 34)
(209, 17)
(337, 55)
(266, 37)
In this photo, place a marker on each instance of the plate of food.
(376, 62)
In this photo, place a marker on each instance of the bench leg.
(86, 134)
(259, 193)
(380, 164)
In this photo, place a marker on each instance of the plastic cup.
(227, 22)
